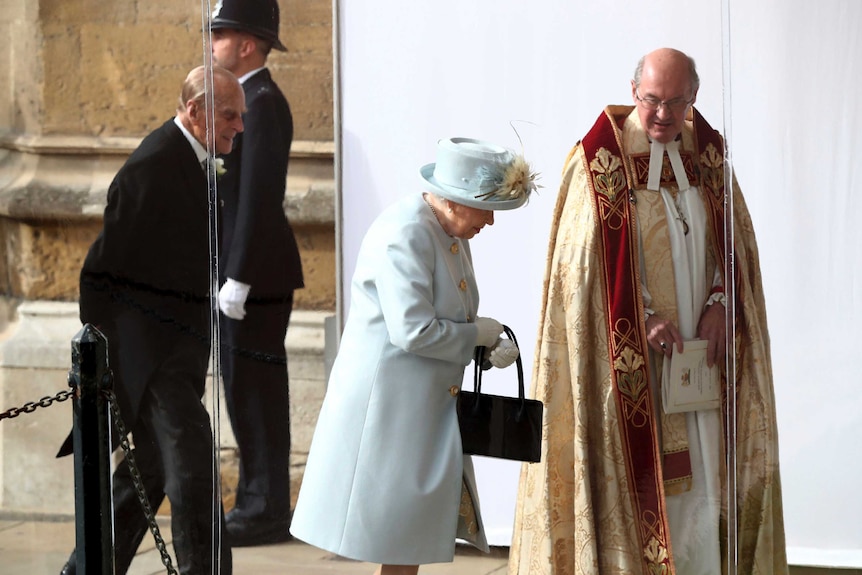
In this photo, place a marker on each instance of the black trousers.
(173, 445)
(254, 370)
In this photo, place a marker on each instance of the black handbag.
(500, 426)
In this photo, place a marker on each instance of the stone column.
(35, 358)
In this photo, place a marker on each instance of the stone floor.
(41, 548)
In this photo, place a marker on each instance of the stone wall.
(83, 81)
(88, 79)
(91, 67)
(53, 191)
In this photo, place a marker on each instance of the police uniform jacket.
(258, 245)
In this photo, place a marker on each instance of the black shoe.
(251, 531)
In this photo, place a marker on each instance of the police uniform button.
(453, 391)
(454, 248)
(463, 285)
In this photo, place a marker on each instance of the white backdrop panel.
(797, 150)
(414, 72)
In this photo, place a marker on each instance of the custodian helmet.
(258, 17)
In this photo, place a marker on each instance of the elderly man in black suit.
(145, 284)
(260, 269)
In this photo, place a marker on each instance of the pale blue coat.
(384, 474)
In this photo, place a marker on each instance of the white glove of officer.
(489, 331)
(503, 353)
(231, 298)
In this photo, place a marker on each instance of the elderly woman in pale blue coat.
(386, 480)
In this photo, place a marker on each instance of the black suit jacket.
(258, 246)
(146, 279)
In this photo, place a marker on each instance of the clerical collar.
(656, 158)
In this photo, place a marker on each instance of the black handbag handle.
(477, 374)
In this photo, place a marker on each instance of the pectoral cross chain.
(679, 215)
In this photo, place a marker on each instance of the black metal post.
(91, 433)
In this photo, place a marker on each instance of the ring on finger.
(663, 345)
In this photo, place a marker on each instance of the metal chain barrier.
(31, 406)
(47, 401)
(139, 483)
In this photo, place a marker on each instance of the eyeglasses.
(675, 105)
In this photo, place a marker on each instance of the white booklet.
(687, 383)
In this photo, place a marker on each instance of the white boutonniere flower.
(219, 167)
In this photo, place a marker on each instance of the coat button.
(463, 285)
(454, 248)
(454, 390)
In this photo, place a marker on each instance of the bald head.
(665, 84)
(666, 58)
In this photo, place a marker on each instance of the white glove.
(231, 298)
(503, 354)
(489, 331)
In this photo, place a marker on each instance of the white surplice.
(693, 515)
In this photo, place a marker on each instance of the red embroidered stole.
(611, 181)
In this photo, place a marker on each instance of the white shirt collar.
(248, 75)
(200, 151)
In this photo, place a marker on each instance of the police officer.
(260, 269)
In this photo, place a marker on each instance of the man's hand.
(231, 298)
(713, 328)
(662, 335)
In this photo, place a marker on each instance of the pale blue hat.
(479, 174)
